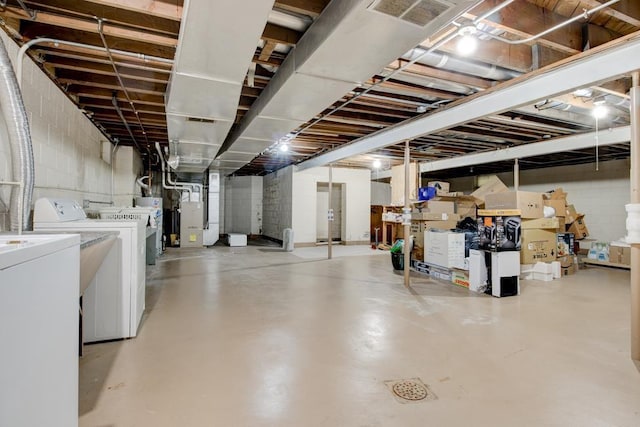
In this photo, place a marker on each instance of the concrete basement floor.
(254, 336)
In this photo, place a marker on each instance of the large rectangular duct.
(215, 48)
(345, 46)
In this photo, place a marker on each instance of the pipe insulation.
(15, 116)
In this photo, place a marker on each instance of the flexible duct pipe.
(439, 60)
(15, 116)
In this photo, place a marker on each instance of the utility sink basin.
(93, 249)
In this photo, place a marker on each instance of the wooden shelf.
(605, 263)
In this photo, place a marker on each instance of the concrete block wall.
(356, 204)
(600, 195)
(277, 202)
(243, 204)
(66, 145)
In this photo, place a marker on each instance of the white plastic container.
(287, 239)
(237, 239)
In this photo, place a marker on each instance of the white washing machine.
(39, 277)
(114, 301)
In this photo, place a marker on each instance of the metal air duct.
(348, 43)
(215, 48)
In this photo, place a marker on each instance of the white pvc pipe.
(186, 184)
(164, 174)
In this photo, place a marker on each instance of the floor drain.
(411, 390)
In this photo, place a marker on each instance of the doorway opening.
(322, 208)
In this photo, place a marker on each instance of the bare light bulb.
(284, 148)
(600, 111)
(377, 163)
(468, 42)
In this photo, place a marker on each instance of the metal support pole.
(330, 213)
(635, 198)
(407, 214)
(516, 175)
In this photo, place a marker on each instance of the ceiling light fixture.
(283, 148)
(377, 163)
(421, 108)
(468, 42)
(600, 110)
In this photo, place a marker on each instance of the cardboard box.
(444, 248)
(579, 228)
(439, 206)
(466, 209)
(538, 246)
(440, 186)
(565, 261)
(499, 233)
(557, 194)
(570, 214)
(530, 204)
(428, 216)
(397, 184)
(557, 205)
(460, 278)
(567, 271)
(566, 243)
(561, 225)
(619, 254)
(493, 185)
(546, 223)
(419, 227)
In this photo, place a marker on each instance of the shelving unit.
(605, 263)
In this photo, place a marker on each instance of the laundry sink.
(94, 247)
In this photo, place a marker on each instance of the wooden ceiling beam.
(168, 10)
(31, 30)
(131, 120)
(525, 19)
(92, 27)
(626, 11)
(107, 70)
(420, 70)
(116, 15)
(111, 84)
(277, 34)
(92, 92)
(364, 108)
(84, 54)
(311, 8)
(267, 50)
(111, 121)
(131, 84)
(367, 119)
(89, 103)
(410, 89)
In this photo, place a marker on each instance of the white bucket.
(287, 239)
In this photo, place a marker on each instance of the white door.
(322, 207)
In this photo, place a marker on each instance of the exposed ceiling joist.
(583, 70)
(158, 8)
(570, 143)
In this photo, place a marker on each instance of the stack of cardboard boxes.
(539, 237)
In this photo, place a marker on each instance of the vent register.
(417, 12)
